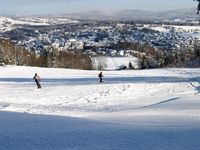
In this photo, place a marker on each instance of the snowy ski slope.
(130, 110)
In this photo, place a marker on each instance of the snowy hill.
(7, 23)
(19, 22)
(141, 109)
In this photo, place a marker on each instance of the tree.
(74, 60)
(198, 8)
(2, 58)
(100, 63)
(52, 55)
(130, 65)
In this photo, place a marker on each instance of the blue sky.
(69, 6)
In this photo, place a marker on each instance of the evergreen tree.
(130, 65)
(2, 57)
(52, 57)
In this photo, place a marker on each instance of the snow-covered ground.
(186, 31)
(114, 63)
(7, 24)
(19, 22)
(130, 110)
(166, 28)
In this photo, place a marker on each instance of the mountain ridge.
(127, 14)
(136, 14)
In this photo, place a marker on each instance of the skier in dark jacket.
(37, 80)
(100, 77)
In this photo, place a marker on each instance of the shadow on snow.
(24, 131)
(196, 87)
(160, 103)
(108, 80)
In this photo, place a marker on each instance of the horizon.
(49, 7)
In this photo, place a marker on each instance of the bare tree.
(100, 63)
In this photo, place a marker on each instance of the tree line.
(152, 57)
(12, 54)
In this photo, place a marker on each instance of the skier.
(100, 77)
(37, 80)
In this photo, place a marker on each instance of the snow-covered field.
(19, 22)
(166, 28)
(186, 31)
(7, 24)
(131, 110)
(114, 63)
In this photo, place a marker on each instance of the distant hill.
(134, 14)
(129, 14)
